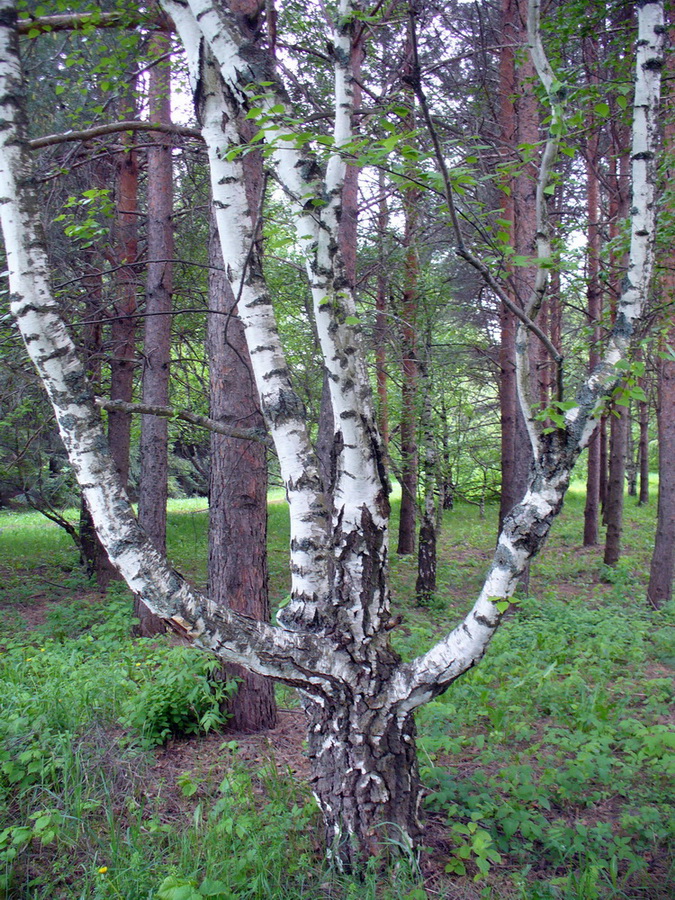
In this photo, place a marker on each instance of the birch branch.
(527, 525)
(542, 227)
(283, 410)
(549, 155)
(235, 638)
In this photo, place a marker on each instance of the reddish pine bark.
(410, 377)
(594, 306)
(618, 437)
(237, 566)
(643, 453)
(381, 328)
(154, 450)
(410, 196)
(660, 588)
(123, 327)
(157, 326)
(519, 124)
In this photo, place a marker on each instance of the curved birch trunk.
(333, 641)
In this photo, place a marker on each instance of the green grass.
(549, 767)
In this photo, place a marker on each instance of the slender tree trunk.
(381, 328)
(157, 327)
(237, 566)
(326, 448)
(594, 301)
(93, 550)
(519, 123)
(660, 588)
(618, 437)
(154, 449)
(643, 454)
(410, 380)
(425, 586)
(632, 460)
(123, 327)
(616, 485)
(662, 569)
(604, 467)
(410, 413)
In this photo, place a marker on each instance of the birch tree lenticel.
(332, 639)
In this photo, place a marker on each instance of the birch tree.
(332, 639)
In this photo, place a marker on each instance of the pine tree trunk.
(123, 328)
(615, 485)
(410, 378)
(604, 467)
(154, 449)
(381, 327)
(518, 120)
(660, 588)
(425, 586)
(157, 326)
(618, 435)
(632, 460)
(237, 565)
(410, 411)
(594, 305)
(643, 498)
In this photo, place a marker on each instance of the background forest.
(547, 770)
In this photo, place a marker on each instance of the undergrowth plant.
(549, 767)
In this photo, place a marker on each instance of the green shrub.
(181, 697)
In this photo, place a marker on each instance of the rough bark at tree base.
(365, 778)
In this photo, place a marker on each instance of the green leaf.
(502, 606)
(602, 109)
(173, 888)
(212, 888)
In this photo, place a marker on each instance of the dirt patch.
(209, 757)
(33, 611)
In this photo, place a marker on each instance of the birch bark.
(334, 642)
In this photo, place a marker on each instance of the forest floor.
(548, 769)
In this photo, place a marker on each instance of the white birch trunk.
(359, 698)
(361, 508)
(261, 647)
(283, 410)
